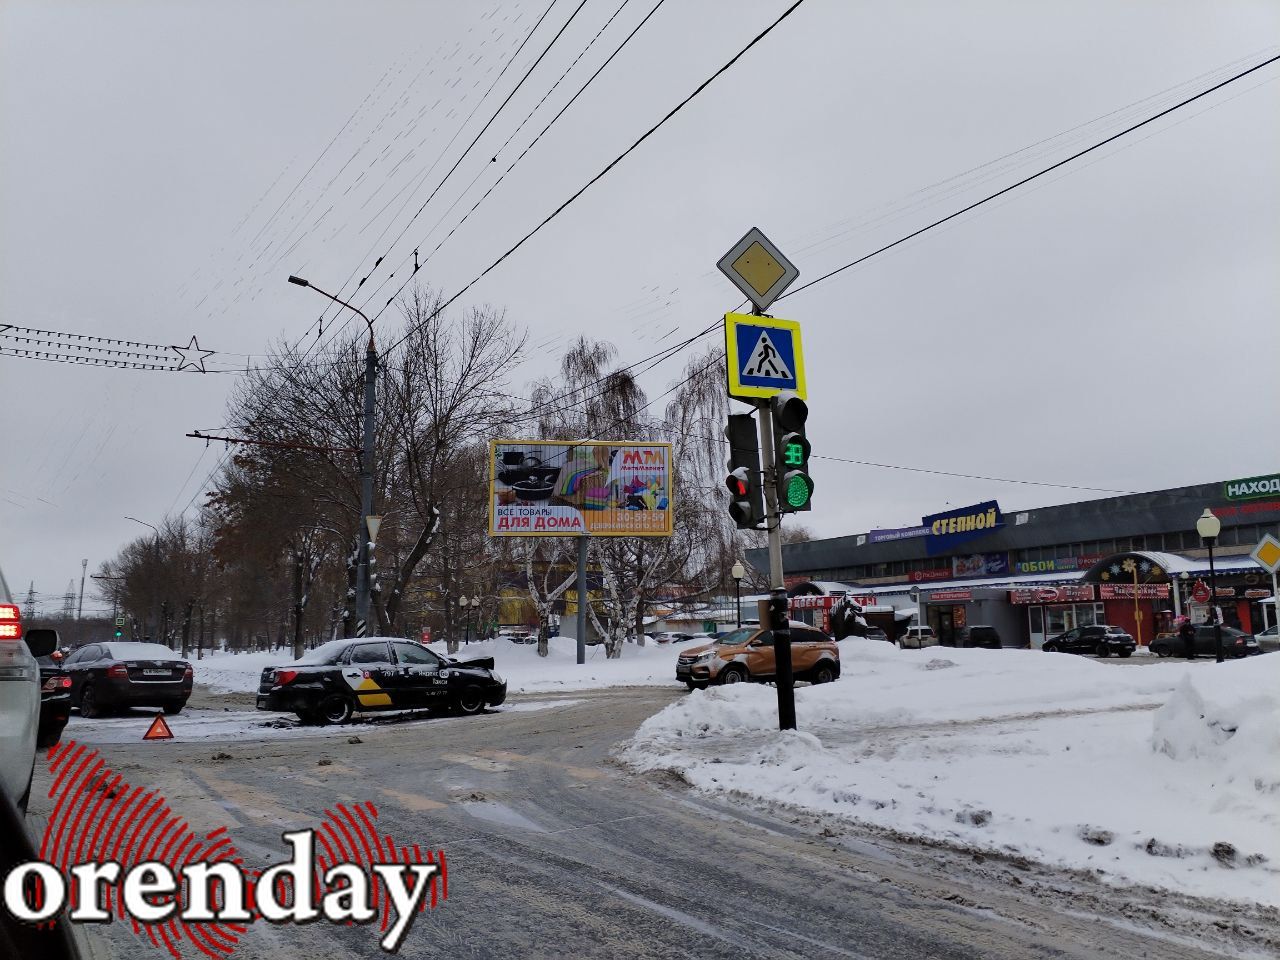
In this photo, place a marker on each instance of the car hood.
(480, 663)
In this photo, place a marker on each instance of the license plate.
(155, 673)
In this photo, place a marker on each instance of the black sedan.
(340, 677)
(55, 700)
(1099, 638)
(106, 676)
(1235, 643)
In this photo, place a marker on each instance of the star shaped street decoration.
(1115, 568)
(192, 356)
(1129, 566)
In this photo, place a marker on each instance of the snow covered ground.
(518, 664)
(1166, 773)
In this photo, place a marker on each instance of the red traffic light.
(737, 483)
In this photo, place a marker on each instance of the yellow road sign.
(758, 269)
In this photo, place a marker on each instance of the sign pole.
(778, 613)
(582, 599)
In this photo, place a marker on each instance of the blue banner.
(948, 530)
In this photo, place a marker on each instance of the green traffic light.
(793, 456)
(799, 490)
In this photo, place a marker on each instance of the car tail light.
(56, 683)
(286, 676)
(118, 671)
(188, 673)
(10, 622)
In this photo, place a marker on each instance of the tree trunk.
(186, 628)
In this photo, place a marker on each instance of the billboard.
(540, 488)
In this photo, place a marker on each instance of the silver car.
(19, 700)
(917, 638)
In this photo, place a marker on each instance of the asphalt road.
(555, 850)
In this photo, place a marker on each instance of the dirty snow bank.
(1167, 774)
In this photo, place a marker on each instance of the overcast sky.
(1111, 325)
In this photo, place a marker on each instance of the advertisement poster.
(948, 530)
(980, 565)
(561, 489)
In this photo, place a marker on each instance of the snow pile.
(518, 664)
(1166, 773)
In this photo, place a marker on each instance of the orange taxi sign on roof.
(159, 729)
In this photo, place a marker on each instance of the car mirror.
(42, 641)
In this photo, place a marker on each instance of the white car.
(19, 701)
(917, 638)
(1268, 639)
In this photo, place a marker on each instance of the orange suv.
(747, 654)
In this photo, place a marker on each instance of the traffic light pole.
(779, 621)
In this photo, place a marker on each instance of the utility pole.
(779, 623)
(84, 568)
(366, 464)
(29, 611)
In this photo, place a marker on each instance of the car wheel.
(1124, 654)
(1103, 650)
(173, 709)
(824, 672)
(1050, 648)
(1161, 650)
(469, 701)
(733, 675)
(89, 707)
(334, 709)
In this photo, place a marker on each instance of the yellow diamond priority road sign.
(1267, 553)
(758, 269)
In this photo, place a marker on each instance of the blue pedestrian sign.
(763, 355)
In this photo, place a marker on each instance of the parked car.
(1268, 639)
(671, 636)
(19, 702)
(519, 636)
(917, 638)
(875, 633)
(1101, 639)
(979, 635)
(127, 673)
(341, 677)
(748, 655)
(1235, 643)
(55, 689)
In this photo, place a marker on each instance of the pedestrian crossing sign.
(763, 356)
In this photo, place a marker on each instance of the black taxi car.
(339, 678)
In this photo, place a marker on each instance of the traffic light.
(746, 493)
(791, 454)
(119, 633)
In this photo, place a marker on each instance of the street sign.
(119, 621)
(763, 356)
(1200, 592)
(758, 269)
(426, 634)
(159, 729)
(373, 523)
(1267, 554)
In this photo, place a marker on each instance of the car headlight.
(705, 658)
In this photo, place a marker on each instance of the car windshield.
(325, 653)
(738, 637)
(141, 651)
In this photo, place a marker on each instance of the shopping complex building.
(1136, 561)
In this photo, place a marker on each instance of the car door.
(804, 649)
(1069, 641)
(370, 673)
(77, 665)
(418, 677)
(760, 655)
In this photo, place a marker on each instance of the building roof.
(1137, 514)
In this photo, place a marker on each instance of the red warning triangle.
(159, 730)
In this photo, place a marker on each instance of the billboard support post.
(582, 599)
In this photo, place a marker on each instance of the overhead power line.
(1040, 173)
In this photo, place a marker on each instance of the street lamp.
(366, 462)
(738, 572)
(1209, 526)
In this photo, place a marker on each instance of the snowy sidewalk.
(1168, 775)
